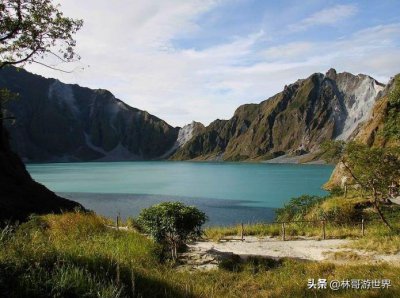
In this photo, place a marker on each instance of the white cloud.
(288, 51)
(131, 53)
(328, 16)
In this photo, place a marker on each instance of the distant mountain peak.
(331, 74)
(64, 122)
(294, 121)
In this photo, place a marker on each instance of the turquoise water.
(227, 192)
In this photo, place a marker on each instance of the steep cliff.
(293, 122)
(20, 195)
(185, 134)
(372, 131)
(62, 122)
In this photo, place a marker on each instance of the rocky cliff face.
(294, 121)
(370, 132)
(185, 134)
(61, 122)
(359, 95)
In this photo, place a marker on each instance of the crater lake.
(229, 193)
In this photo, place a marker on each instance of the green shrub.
(344, 210)
(172, 224)
(297, 208)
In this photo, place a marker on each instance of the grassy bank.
(76, 255)
(377, 237)
(343, 221)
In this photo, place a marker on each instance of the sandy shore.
(272, 247)
(206, 254)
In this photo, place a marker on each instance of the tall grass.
(333, 230)
(76, 247)
(292, 230)
(76, 255)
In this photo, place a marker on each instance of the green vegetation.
(392, 121)
(172, 224)
(276, 125)
(31, 29)
(79, 255)
(5, 96)
(332, 150)
(378, 241)
(375, 170)
(376, 236)
(297, 208)
(72, 255)
(76, 255)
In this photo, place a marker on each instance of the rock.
(302, 116)
(63, 122)
(369, 132)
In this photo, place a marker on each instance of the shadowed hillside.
(62, 122)
(20, 195)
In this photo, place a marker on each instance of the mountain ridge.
(294, 121)
(96, 126)
(67, 122)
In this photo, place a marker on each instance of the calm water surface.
(228, 192)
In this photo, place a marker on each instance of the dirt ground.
(207, 254)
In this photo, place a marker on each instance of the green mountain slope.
(293, 122)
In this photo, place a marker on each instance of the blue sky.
(199, 60)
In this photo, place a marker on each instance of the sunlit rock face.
(185, 134)
(295, 121)
(369, 132)
(61, 122)
(359, 95)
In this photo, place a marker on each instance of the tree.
(31, 29)
(332, 150)
(34, 28)
(172, 224)
(374, 169)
